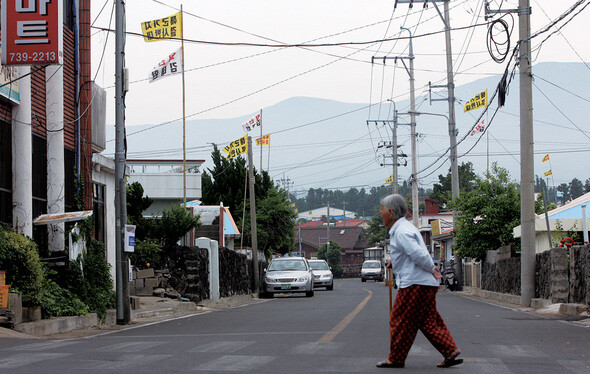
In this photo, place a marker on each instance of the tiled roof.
(346, 237)
(351, 222)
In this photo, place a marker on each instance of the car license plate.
(285, 286)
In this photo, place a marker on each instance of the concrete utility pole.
(328, 230)
(413, 136)
(253, 218)
(122, 290)
(527, 168)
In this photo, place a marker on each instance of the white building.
(316, 214)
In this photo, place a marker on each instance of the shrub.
(57, 301)
(20, 259)
(146, 252)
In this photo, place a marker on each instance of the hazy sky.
(233, 81)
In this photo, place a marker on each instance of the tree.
(333, 256)
(376, 231)
(275, 218)
(576, 188)
(565, 192)
(487, 214)
(136, 202)
(442, 191)
(587, 185)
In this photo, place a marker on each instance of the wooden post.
(390, 284)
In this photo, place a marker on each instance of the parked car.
(288, 275)
(372, 269)
(322, 274)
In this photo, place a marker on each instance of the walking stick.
(390, 284)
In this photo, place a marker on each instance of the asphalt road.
(343, 331)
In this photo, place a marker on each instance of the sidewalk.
(151, 310)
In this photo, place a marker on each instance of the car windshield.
(371, 265)
(289, 265)
(319, 265)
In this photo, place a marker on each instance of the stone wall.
(234, 273)
(579, 281)
(189, 272)
(543, 275)
(502, 276)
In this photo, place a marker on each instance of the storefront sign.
(9, 83)
(32, 32)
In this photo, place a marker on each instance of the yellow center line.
(330, 335)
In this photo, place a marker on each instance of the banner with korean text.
(253, 123)
(265, 140)
(32, 32)
(478, 101)
(480, 127)
(163, 28)
(390, 179)
(237, 147)
(168, 66)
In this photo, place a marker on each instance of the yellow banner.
(390, 179)
(163, 28)
(480, 100)
(265, 140)
(546, 158)
(237, 147)
(435, 227)
(548, 173)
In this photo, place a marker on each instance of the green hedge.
(20, 259)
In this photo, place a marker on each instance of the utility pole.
(527, 166)
(394, 149)
(328, 230)
(253, 218)
(121, 265)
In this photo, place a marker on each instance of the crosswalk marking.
(222, 347)
(515, 351)
(42, 346)
(122, 362)
(130, 346)
(317, 348)
(23, 359)
(575, 366)
(236, 363)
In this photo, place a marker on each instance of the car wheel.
(309, 294)
(363, 280)
(330, 287)
(266, 295)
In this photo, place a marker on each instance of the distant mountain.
(325, 143)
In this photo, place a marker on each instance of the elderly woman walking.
(415, 303)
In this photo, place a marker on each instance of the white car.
(288, 275)
(372, 269)
(322, 275)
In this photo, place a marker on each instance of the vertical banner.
(168, 66)
(265, 140)
(253, 123)
(163, 28)
(32, 32)
(478, 101)
(237, 147)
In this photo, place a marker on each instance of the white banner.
(168, 66)
(252, 123)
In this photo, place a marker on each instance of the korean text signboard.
(237, 147)
(164, 28)
(168, 66)
(9, 83)
(478, 101)
(32, 32)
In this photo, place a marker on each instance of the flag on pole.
(389, 179)
(546, 158)
(168, 66)
(252, 123)
(265, 140)
(480, 127)
(478, 101)
(162, 28)
(237, 147)
(548, 173)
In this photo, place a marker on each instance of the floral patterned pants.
(415, 309)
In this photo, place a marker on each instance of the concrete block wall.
(558, 279)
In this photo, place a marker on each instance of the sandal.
(451, 360)
(385, 364)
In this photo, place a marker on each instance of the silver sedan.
(288, 275)
(322, 274)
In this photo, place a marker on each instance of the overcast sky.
(233, 81)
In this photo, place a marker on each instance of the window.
(5, 173)
(98, 211)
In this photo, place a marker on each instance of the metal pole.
(527, 172)
(413, 136)
(261, 145)
(253, 218)
(328, 229)
(183, 111)
(122, 279)
(547, 218)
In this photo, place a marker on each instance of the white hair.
(395, 203)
